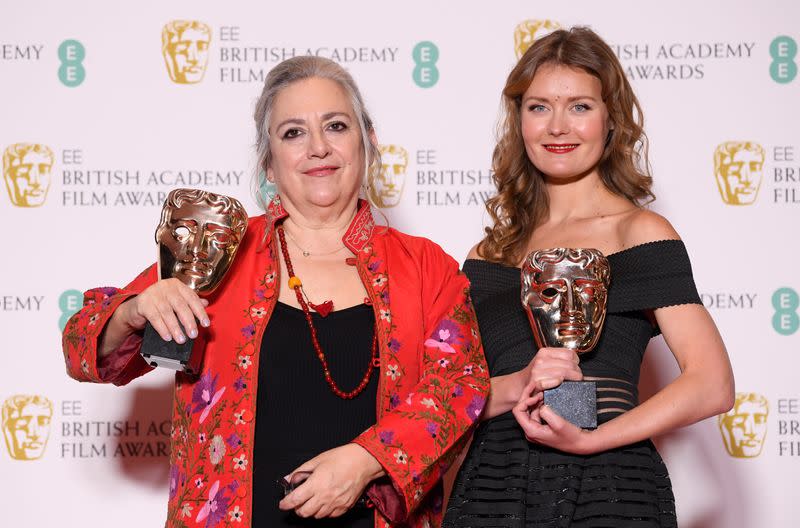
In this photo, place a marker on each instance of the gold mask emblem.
(386, 187)
(26, 425)
(27, 169)
(739, 168)
(526, 32)
(198, 236)
(744, 427)
(185, 45)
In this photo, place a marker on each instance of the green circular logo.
(69, 302)
(783, 50)
(71, 73)
(785, 321)
(425, 55)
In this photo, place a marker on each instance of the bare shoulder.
(645, 226)
(473, 253)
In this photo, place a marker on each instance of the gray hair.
(297, 69)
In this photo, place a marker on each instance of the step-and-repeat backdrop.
(106, 107)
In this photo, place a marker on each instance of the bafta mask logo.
(386, 188)
(526, 32)
(198, 236)
(739, 168)
(185, 45)
(27, 169)
(564, 292)
(26, 425)
(744, 427)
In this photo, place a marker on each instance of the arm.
(550, 365)
(101, 342)
(416, 441)
(705, 386)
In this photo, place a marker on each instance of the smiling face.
(564, 294)
(315, 141)
(564, 122)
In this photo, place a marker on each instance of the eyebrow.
(569, 99)
(298, 121)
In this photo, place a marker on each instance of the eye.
(337, 126)
(549, 293)
(581, 108)
(536, 107)
(222, 239)
(292, 133)
(587, 292)
(180, 233)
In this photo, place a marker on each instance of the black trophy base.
(169, 354)
(575, 401)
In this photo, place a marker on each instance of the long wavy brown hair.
(522, 202)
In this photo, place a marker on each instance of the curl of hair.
(521, 202)
(289, 72)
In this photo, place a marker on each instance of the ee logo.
(425, 55)
(785, 301)
(71, 53)
(70, 302)
(783, 50)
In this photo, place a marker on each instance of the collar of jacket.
(358, 234)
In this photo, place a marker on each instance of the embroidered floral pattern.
(425, 406)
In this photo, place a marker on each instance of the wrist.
(371, 468)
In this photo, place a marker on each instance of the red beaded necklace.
(297, 286)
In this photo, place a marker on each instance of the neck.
(318, 229)
(581, 197)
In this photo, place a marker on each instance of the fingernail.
(167, 338)
(180, 339)
(192, 333)
(205, 322)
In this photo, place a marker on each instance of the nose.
(33, 430)
(558, 124)
(745, 174)
(191, 52)
(318, 146)
(749, 426)
(34, 176)
(197, 247)
(569, 301)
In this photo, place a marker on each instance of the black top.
(297, 414)
(508, 481)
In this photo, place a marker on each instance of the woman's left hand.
(339, 477)
(543, 426)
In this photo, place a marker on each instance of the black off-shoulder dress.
(505, 480)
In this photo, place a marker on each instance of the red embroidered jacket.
(433, 376)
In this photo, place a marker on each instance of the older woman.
(317, 294)
(568, 175)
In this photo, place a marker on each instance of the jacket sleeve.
(417, 440)
(83, 330)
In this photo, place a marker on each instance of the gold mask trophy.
(198, 237)
(564, 292)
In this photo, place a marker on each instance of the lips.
(195, 269)
(323, 170)
(562, 148)
(572, 329)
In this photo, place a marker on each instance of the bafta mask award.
(564, 293)
(198, 237)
